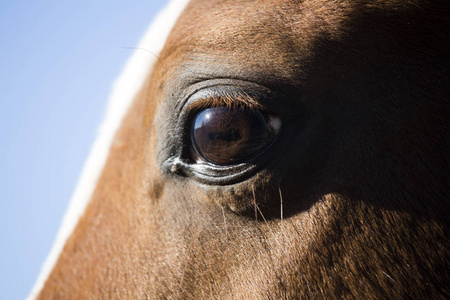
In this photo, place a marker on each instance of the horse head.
(277, 149)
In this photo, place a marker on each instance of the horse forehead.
(228, 26)
(244, 37)
(276, 37)
(234, 19)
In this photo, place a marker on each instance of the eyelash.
(236, 101)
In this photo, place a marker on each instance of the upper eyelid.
(218, 92)
(237, 100)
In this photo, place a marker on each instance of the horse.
(273, 150)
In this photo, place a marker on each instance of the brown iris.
(225, 136)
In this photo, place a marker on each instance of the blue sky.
(58, 61)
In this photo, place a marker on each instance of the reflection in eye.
(226, 136)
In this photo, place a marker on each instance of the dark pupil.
(225, 135)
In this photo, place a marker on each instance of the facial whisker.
(265, 221)
(281, 203)
(224, 221)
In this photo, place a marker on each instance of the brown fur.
(362, 163)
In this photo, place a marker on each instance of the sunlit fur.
(353, 202)
(123, 93)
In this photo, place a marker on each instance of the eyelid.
(235, 100)
(220, 87)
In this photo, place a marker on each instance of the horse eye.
(226, 136)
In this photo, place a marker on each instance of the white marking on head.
(125, 89)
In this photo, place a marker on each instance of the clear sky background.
(58, 61)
